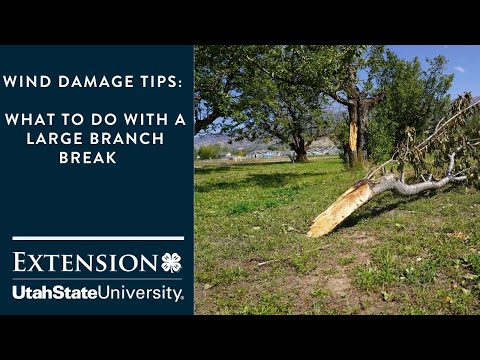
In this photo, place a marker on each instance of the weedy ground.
(416, 255)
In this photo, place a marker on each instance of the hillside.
(225, 141)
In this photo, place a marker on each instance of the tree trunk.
(353, 134)
(362, 192)
(300, 151)
(358, 136)
(301, 157)
(359, 106)
(362, 142)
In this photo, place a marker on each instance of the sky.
(463, 61)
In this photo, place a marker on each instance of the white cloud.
(459, 68)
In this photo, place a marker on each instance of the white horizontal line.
(102, 279)
(97, 238)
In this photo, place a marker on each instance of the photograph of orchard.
(334, 179)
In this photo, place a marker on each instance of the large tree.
(355, 70)
(449, 154)
(286, 113)
(347, 74)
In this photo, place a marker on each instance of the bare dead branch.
(374, 171)
(363, 191)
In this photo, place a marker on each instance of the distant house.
(324, 150)
(287, 153)
(268, 154)
(236, 158)
(224, 155)
(255, 154)
(263, 154)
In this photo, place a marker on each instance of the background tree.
(209, 151)
(450, 154)
(347, 74)
(277, 110)
(414, 98)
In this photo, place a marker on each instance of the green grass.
(416, 255)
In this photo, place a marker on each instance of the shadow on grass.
(266, 181)
(394, 201)
(220, 185)
(211, 170)
(354, 219)
(278, 179)
(214, 168)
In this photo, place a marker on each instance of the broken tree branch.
(364, 190)
(374, 171)
(414, 153)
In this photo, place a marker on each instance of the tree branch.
(452, 160)
(393, 183)
(376, 99)
(373, 172)
(339, 99)
(204, 123)
(272, 74)
(364, 190)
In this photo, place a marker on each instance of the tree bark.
(362, 149)
(358, 109)
(353, 134)
(358, 136)
(300, 151)
(301, 157)
(363, 191)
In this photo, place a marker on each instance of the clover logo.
(171, 262)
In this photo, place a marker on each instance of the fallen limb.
(363, 191)
(454, 136)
